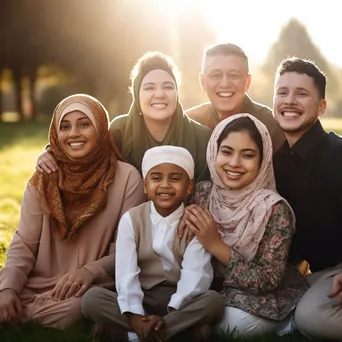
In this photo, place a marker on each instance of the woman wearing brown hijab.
(65, 239)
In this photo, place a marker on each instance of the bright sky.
(255, 25)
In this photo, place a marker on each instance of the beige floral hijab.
(243, 214)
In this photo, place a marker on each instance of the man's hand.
(73, 283)
(11, 309)
(336, 290)
(46, 162)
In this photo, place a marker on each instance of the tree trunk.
(18, 94)
(1, 109)
(32, 83)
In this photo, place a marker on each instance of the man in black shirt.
(308, 170)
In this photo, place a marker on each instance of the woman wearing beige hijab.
(247, 226)
(65, 239)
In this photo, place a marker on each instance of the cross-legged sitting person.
(162, 281)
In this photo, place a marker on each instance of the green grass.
(20, 145)
(81, 332)
(31, 332)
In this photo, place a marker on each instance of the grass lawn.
(20, 145)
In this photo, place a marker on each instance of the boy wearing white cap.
(162, 282)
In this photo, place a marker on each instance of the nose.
(290, 99)
(160, 93)
(74, 132)
(165, 183)
(234, 161)
(224, 81)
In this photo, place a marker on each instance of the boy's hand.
(46, 162)
(139, 325)
(156, 327)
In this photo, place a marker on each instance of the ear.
(190, 187)
(145, 187)
(248, 82)
(322, 107)
(202, 82)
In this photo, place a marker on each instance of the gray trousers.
(318, 316)
(102, 307)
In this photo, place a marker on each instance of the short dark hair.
(304, 66)
(243, 124)
(225, 49)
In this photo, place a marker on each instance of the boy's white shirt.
(196, 269)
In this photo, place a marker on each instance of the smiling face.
(238, 160)
(296, 104)
(225, 79)
(158, 96)
(77, 135)
(167, 185)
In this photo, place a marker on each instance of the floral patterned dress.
(266, 286)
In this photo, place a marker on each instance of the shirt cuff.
(134, 309)
(176, 301)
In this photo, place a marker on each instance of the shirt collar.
(247, 107)
(308, 142)
(156, 218)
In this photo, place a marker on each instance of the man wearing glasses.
(226, 79)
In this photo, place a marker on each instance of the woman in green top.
(155, 118)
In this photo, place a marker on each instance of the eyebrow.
(81, 118)
(299, 88)
(153, 83)
(170, 174)
(243, 150)
(223, 71)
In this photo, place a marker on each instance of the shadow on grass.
(32, 332)
(22, 133)
(81, 332)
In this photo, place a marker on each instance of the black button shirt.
(309, 176)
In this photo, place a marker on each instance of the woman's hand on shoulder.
(11, 309)
(46, 162)
(74, 283)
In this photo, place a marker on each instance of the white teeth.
(229, 94)
(291, 114)
(159, 105)
(235, 174)
(164, 195)
(75, 144)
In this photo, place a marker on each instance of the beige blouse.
(36, 260)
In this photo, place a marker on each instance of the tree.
(294, 40)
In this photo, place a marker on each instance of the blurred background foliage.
(53, 48)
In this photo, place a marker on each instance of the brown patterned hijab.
(78, 190)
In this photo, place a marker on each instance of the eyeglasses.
(218, 76)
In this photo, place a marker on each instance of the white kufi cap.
(168, 154)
